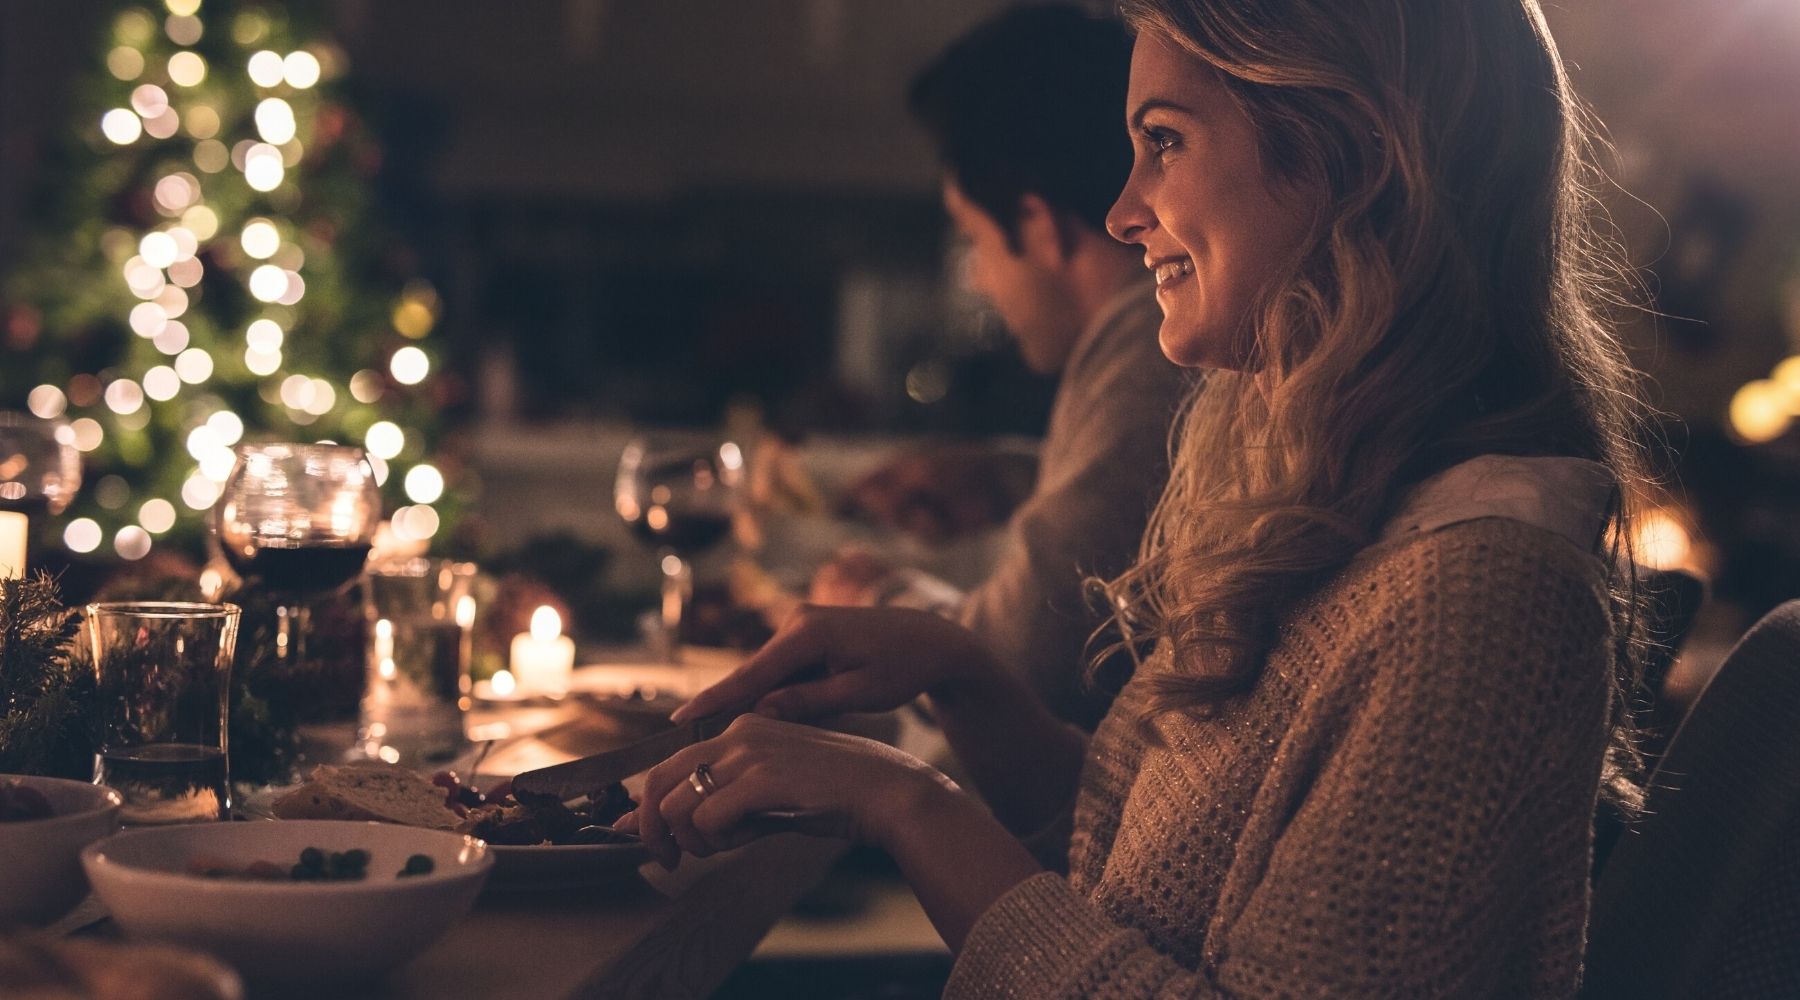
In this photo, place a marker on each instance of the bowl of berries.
(299, 900)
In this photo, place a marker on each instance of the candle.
(543, 660)
(13, 527)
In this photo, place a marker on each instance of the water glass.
(419, 614)
(164, 675)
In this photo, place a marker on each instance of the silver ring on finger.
(702, 781)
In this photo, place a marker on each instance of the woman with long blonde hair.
(1387, 627)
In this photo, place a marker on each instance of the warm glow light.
(157, 516)
(262, 167)
(172, 339)
(163, 125)
(321, 399)
(275, 120)
(502, 683)
(88, 434)
(1787, 376)
(199, 492)
(211, 156)
(409, 366)
(415, 523)
(187, 273)
(202, 121)
(546, 624)
(175, 193)
(268, 283)
(158, 249)
(187, 69)
(1759, 411)
(183, 29)
(227, 427)
(296, 392)
(260, 238)
(194, 366)
(82, 535)
(144, 279)
(124, 396)
(147, 319)
(301, 69)
(264, 336)
(161, 383)
(365, 386)
(413, 318)
(262, 362)
(384, 439)
(424, 484)
(121, 127)
(173, 299)
(47, 402)
(380, 466)
(185, 243)
(265, 69)
(149, 100)
(296, 287)
(125, 62)
(132, 542)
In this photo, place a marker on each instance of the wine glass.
(678, 495)
(40, 470)
(298, 520)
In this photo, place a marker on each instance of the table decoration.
(543, 659)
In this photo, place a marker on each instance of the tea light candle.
(13, 527)
(543, 660)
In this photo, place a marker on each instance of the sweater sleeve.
(1103, 466)
(1410, 864)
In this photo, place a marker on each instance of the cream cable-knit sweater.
(1402, 806)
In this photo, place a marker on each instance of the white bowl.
(283, 930)
(40, 859)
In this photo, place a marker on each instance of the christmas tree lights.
(205, 271)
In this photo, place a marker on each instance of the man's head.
(1025, 115)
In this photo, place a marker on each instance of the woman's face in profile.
(1215, 226)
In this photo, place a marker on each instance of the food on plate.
(85, 969)
(19, 802)
(501, 817)
(315, 865)
(388, 793)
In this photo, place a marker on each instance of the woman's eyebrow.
(1155, 103)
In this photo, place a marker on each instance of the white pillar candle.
(543, 660)
(13, 528)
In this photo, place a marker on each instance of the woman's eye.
(1159, 140)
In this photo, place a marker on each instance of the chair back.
(1701, 896)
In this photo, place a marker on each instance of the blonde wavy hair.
(1452, 301)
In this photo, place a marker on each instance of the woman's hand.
(863, 790)
(874, 659)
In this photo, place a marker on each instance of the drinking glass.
(419, 614)
(679, 496)
(40, 470)
(298, 521)
(163, 671)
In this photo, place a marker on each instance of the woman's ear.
(1047, 236)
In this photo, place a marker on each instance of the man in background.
(1026, 113)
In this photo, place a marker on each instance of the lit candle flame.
(546, 624)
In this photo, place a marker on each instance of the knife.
(577, 778)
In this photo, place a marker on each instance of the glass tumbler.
(419, 614)
(164, 675)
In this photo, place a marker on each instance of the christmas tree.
(206, 269)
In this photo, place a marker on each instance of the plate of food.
(541, 842)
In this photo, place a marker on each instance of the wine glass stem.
(291, 621)
(677, 589)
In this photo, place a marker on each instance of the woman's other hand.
(872, 659)
(856, 788)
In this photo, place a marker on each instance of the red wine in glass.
(305, 570)
(687, 533)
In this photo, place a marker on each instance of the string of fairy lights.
(222, 178)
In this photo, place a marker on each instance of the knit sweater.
(1401, 805)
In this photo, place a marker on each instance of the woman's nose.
(1130, 218)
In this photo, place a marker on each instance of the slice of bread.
(386, 793)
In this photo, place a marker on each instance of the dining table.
(641, 932)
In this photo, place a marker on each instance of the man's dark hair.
(1032, 102)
